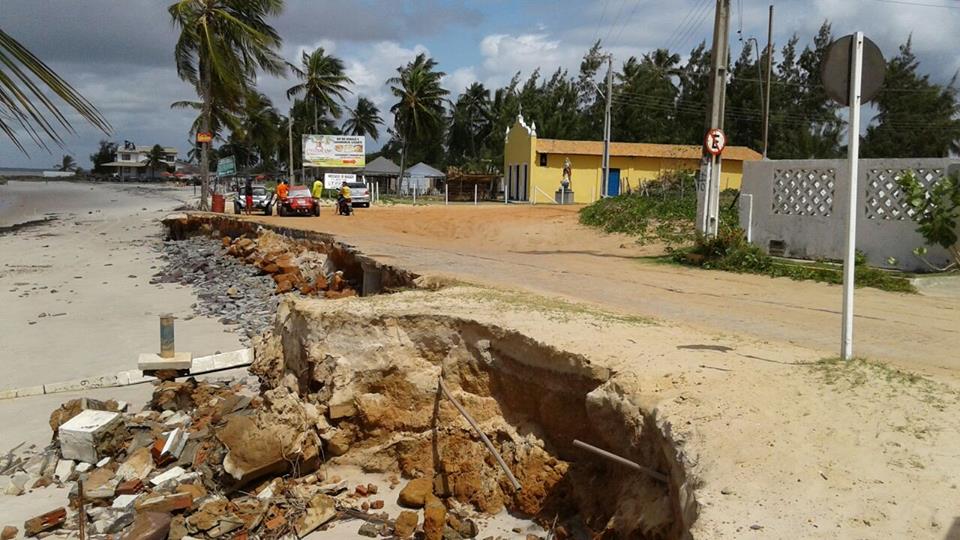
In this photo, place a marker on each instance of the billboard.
(335, 180)
(226, 166)
(334, 151)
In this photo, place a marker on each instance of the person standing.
(317, 190)
(248, 193)
(282, 190)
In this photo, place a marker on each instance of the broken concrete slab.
(232, 359)
(164, 503)
(150, 362)
(90, 435)
(138, 465)
(113, 520)
(18, 483)
(322, 508)
(100, 484)
(125, 502)
(171, 474)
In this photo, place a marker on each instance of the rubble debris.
(9, 532)
(64, 471)
(434, 518)
(74, 407)
(137, 466)
(406, 524)
(416, 493)
(100, 484)
(149, 526)
(321, 509)
(165, 503)
(369, 530)
(91, 435)
(113, 520)
(167, 476)
(18, 483)
(45, 522)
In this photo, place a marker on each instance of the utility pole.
(293, 174)
(606, 127)
(708, 186)
(766, 104)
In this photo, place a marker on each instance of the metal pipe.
(167, 349)
(623, 461)
(486, 441)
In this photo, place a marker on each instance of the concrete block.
(81, 435)
(125, 502)
(238, 358)
(84, 467)
(154, 362)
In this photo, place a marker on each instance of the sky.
(119, 53)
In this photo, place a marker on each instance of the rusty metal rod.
(623, 461)
(83, 511)
(167, 349)
(486, 441)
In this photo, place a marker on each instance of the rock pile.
(212, 460)
(235, 293)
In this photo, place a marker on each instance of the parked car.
(359, 194)
(298, 202)
(262, 201)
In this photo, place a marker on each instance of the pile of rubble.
(211, 460)
(292, 267)
(242, 289)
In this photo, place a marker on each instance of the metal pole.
(766, 105)
(623, 461)
(483, 437)
(708, 200)
(446, 194)
(475, 194)
(853, 155)
(606, 129)
(167, 349)
(506, 186)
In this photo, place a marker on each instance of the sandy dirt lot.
(544, 249)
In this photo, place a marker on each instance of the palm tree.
(155, 159)
(259, 127)
(420, 109)
(363, 119)
(67, 163)
(323, 79)
(26, 86)
(222, 45)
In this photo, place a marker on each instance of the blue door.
(613, 183)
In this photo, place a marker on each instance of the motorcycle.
(344, 206)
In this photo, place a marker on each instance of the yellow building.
(533, 167)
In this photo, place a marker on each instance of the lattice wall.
(883, 198)
(804, 192)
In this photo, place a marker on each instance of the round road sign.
(715, 141)
(835, 70)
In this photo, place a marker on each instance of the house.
(131, 161)
(423, 178)
(533, 167)
(383, 172)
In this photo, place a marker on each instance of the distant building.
(422, 177)
(533, 167)
(131, 163)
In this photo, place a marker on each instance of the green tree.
(221, 47)
(363, 119)
(106, 152)
(470, 123)
(419, 110)
(323, 83)
(694, 79)
(28, 89)
(743, 123)
(259, 130)
(645, 98)
(67, 163)
(155, 160)
(915, 117)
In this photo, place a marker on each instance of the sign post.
(853, 72)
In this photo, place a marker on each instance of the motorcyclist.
(344, 199)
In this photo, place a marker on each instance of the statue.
(565, 181)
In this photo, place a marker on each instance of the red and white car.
(298, 202)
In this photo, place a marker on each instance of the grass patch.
(730, 251)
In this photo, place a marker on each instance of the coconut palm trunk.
(205, 147)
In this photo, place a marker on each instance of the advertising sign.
(335, 180)
(226, 166)
(333, 151)
(204, 137)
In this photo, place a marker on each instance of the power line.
(693, 15)
(627, 21)
(692, 29)
(919, 4)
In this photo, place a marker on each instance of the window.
(125, 157)
(543, 159)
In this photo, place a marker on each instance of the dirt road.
(545, 249)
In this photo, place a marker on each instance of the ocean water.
(14, 171)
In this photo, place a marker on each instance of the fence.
(794, 208)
